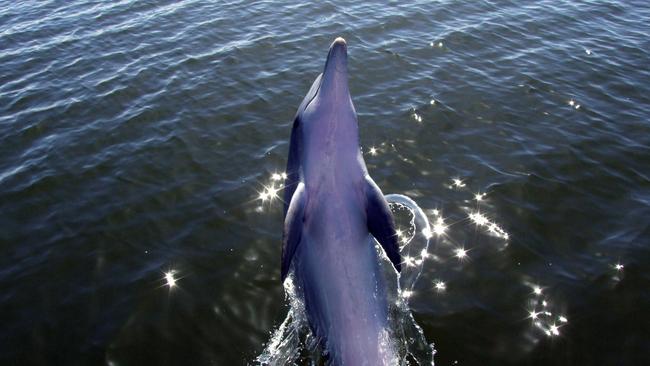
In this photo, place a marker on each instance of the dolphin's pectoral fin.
(293, 165)
(292, 228)
(380, 222)
(293, 162)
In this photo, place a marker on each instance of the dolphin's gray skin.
(333, 209)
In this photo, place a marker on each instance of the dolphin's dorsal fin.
(380, 222)
(293, 223)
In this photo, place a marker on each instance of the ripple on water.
(135, 136)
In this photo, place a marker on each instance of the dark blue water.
(136, 136)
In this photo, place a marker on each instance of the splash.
(416, 232)
(292, 342)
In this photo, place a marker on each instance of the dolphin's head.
(334, 83)
(327, 117)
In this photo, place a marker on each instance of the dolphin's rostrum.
(333, 209)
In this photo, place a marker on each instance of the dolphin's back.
(338, 271)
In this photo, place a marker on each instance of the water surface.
(135, 137)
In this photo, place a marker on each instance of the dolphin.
(333, 214)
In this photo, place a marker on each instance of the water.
(135, 138)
